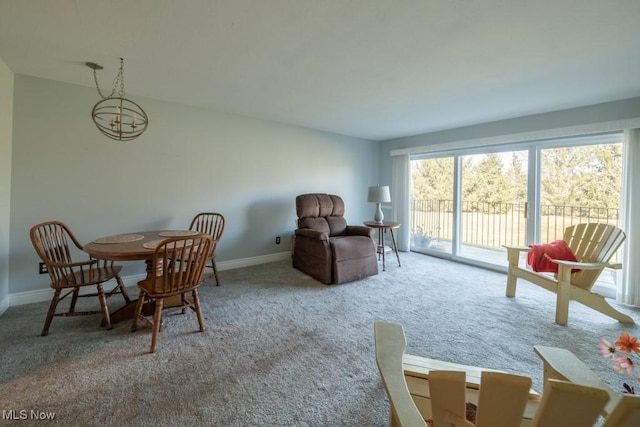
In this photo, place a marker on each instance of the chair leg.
(513, 257)
(74, 300)
(51, 312)
(196, 303)
(215, 271)
(123, 289)
(138, 312)
(562, 302)
(106, 319)
(511, 284)
(157, 322)
(184, 302)
(600, 304)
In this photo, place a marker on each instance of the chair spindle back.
(179, 263)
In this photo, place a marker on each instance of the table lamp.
(378, 195)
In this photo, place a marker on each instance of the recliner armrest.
(359, 230)
(313, 234)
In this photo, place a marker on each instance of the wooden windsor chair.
(211, 223)
(179, 263)
(56, 245)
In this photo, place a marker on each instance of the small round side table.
(382, 228)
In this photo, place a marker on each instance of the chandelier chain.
(118, 79)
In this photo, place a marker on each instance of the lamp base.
(379, 216)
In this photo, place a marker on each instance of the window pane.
(579, 184)
(494, 196)
(432, 204)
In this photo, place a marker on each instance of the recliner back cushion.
(322, 212)
(318, 205)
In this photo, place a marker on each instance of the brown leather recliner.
(328, 249)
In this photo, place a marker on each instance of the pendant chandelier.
(117, 117)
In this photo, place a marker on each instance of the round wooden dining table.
(137, 246)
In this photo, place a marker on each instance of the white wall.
(6, 120)
(188, 160)
(581, 117)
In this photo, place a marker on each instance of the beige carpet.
(281, 349)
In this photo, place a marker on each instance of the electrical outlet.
(42, 268)
(278, 240)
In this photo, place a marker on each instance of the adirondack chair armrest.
(513, 254)
(581, 265)
(517, 248)
(561, 364)
(390, 344)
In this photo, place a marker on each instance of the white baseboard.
(40, 295)
(257, 260)
(4, 304)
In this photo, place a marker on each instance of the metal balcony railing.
(491, 225)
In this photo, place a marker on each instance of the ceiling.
(373, 69)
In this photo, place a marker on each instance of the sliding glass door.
(468, 204)
(581, 184)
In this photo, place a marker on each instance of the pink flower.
(606, 349)
(624, 355)
(623, 364)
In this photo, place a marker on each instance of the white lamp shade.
(379, 194)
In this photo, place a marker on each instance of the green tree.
(432, 179)
(516, 180)
(587, 176)
(486, 181)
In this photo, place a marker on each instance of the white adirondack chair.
(503, 398)
(593, 245)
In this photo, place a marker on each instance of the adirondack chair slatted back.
(503, 398)
(592, 243)
(447, 396)
(501, 402)
(497, 389)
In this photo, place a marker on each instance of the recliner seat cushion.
(351, 247)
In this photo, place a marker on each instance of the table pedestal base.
(129, 309)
